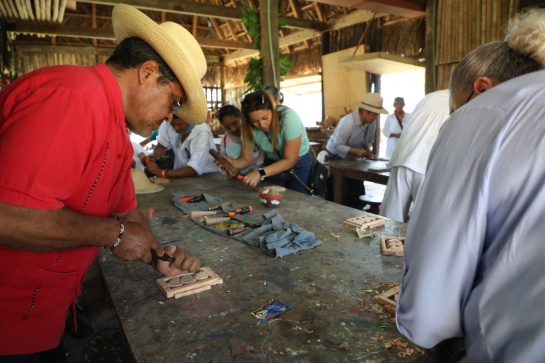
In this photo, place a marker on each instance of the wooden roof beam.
(205, 10)
(108, 34)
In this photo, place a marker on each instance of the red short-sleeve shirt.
(63, 143)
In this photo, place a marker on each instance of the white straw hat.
(142, 185)
(178, 48)
(373, 102)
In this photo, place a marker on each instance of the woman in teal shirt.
(280, 133)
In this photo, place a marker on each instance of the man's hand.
(183, 262)
(138, 239)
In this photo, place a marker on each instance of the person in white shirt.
(190, 144)
(409, 160)
(474, 248)
(393, 126)
(353, 139)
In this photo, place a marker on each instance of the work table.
(329, 288)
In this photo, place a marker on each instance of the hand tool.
(170, 241)
(242, 210)
(164, 257)
(192, 199)
(201, 213)
(235, 231)
(217, 206)
(212, 221)
(224, 164)
(229, 224)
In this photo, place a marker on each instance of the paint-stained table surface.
(332, 316)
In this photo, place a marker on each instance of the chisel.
(212, 221)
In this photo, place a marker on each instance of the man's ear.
(147, 69)
(482, 84)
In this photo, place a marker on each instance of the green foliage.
(254, 77)
(251, 21)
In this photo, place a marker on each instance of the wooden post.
(431, 32)
(268, 17)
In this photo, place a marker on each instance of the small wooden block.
(193, 285)
(388, 299)
(364, 221)
(392, 246)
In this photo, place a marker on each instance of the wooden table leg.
(338, 182)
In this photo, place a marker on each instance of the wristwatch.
(262, 173)
(165, 173)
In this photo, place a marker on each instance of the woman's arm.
(289, 159)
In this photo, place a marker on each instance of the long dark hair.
(259, 100)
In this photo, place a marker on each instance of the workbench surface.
(330, 289)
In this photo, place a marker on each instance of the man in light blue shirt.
(474, 251)
(353, 139)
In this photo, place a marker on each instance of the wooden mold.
(392, 246)
(187, 284)
(364, 221)
(388, 299)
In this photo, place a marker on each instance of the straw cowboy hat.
(179, 50)
(142, 185)
(372, 102)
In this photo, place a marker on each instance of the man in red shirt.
(66, 173)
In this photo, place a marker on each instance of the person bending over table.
(230, 145)
(474, 248)
(353, 139)
(409, 160)
(56, 212)
(190, 144)
(280, 133)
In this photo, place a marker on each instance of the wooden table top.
(329, 288)
(361, 169)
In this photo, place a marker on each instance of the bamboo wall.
(462, 25)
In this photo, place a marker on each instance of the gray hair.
(522, 52)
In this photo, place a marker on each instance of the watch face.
(261, 172)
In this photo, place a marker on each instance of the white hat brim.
(142, 185)
(183, 56)
(372, 108)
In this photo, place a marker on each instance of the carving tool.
(192, 199)
(212, 221)
(242, 210)
(167, 241)
(235, 231)
(164, 257)
(224, 164)
(217, 206)
(201, 213)
(229, 225)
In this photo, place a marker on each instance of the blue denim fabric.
(278, 238)
(286, 179)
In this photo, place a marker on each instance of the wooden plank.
(388, 299)
(388, 249)
(364, 221)
(189, 288)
